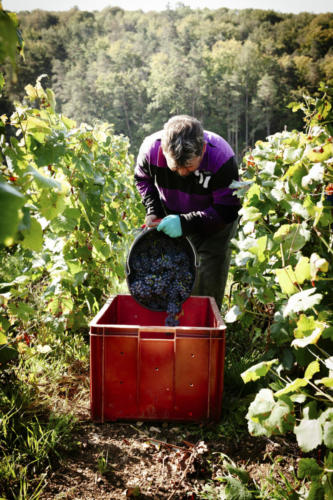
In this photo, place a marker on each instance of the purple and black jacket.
(203, 199)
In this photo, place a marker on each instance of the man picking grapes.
(183, 174)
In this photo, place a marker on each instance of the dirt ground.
(158, 461)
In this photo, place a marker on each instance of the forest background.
(236, 70)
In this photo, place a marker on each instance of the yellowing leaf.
(302, 270)
(286, 278)
(305, 326)
(327, 381)
(320, 153)
(311, 339)
(317, 263)
(311, 369)
(293, 386)
(3, 339)
(259, 370)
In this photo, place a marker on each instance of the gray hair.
(183, 139)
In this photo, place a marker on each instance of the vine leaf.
(11, 201)
(302, 301)
(308, 467)
(286, 278)
(257, 371)
(33, 237)
(309, 434)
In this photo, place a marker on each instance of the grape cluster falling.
(162, 274)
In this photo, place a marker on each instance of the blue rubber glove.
(171, 226)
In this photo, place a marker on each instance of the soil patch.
(158, 461)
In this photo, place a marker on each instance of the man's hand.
(171, 226)
(152, 220)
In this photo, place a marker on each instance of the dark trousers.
(214, 260)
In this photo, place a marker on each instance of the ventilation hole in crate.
(121, 352)
(156, 369)
(121, 382)
(191, 385)
(193, 355)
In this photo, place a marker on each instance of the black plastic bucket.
(151, 235)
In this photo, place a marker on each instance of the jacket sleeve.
(224, 207)
(144, 181)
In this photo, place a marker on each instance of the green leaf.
(328, 333)
(101, 249)
(8, 37)
(286, 278)
(33, 237)
(263, 403)
(298, 208)
(43, 181)
(235, 490)
(52, 204)
(21, 310)
(11, 201)
(241, 473)
(67, 221)
(250, 214)
(302, 301)
(36, 125)
(259, 248)
(317, 491)
(309, 434)
(316, 174)
(309, 468)
(259, 370)
(7, 354)
(292, 236)
(281, 420)
(328, 434)
(292, 155)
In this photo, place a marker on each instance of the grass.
(38, 395)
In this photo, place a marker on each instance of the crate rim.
(221, 324)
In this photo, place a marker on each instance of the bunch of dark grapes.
(162, 274)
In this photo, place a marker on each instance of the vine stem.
(327, 396)
(282, 256)
(322, 351)
(322, 240)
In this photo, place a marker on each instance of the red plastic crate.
(141, 369)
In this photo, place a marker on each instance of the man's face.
(184, 170)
